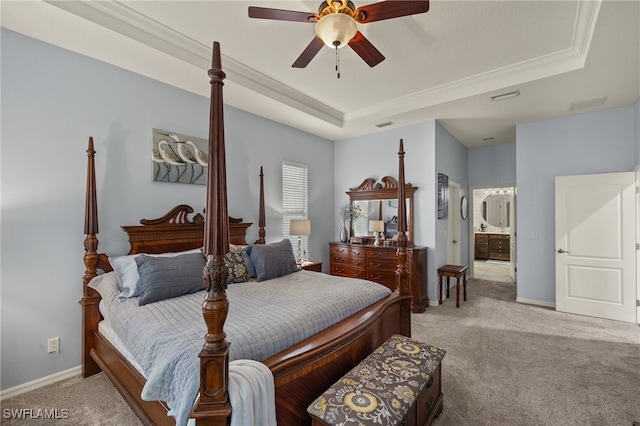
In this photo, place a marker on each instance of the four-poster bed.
(302, 371)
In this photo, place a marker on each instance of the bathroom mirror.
(496, 210)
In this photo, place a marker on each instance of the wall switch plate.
(53, 345)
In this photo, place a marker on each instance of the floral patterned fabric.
(234, 260)
(383, 387)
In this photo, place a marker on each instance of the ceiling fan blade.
(389, 9)
(366, 50)
(281, 15)
(309, 52)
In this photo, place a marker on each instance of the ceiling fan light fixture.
(336, 29)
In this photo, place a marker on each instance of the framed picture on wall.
(443, 196)
(179, 158)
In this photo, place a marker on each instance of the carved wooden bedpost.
(213, 407)
(90, 298)
(261, 220)
(403, 273)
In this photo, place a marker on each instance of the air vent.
(507, 95)
(385, 124)
(590, 103)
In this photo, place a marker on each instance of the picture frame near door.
(443, 196)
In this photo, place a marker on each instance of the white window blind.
(295, 200)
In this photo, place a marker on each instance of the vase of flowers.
(348, 212)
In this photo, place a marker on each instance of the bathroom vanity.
(492, 246)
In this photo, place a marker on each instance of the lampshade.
(300, 227)
(336, 29)
(376, 226)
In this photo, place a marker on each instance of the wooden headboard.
(175, 231)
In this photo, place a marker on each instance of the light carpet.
(506, 364)
(513, 364)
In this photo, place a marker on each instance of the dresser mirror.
(379, 201)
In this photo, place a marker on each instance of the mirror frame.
(464, 207)
(369, 190)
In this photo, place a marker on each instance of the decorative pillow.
(235, 263)
(166, 277)
(127, 271)
(273, 260)
(246, 254)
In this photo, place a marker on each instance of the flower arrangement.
(350, 212)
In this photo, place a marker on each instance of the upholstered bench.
(397, 384)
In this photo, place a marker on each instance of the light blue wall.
(452, 160)
(493, 165)
(429, 149)
(376, 156)
(598, 142)
(52, 101)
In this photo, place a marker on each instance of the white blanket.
(251, 394)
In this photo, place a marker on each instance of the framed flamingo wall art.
(178, 158)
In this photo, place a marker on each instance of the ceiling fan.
(337, 25)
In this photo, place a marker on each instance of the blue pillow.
(273, 260)
(166, 277)
(246, 255)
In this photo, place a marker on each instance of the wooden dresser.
(493, 246)
(379, 264)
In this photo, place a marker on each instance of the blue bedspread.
(264, 319)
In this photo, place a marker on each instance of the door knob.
(562, 251)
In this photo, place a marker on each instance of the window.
(294, 201)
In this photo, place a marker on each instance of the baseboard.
(38, 383)
(535, 302)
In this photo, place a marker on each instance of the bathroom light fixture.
(507, 95)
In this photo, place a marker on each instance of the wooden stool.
(458, 272)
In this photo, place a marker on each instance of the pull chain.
(337, 61)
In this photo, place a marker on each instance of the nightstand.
(311, 265)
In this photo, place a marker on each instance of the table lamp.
(376, 226)
(300, 227)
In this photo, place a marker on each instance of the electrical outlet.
(53, 345)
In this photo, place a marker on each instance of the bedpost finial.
(215, 73)
(402, 215)
(90, 149)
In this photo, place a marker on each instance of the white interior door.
(453, 225)
(595, 245)
(513, 235)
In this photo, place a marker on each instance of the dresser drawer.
(373, 253)
(386, 278)
(381, 264)
(343, 271)
(501, 256)
(503, 237)
(348, 262)
(347, 251)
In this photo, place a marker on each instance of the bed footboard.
(304, 371)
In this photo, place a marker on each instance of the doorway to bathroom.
(493, 233)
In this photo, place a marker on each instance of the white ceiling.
(444, 64)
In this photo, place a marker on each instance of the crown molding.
(555, 63)
(126, 21)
